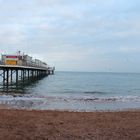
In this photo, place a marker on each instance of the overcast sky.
(75, 35)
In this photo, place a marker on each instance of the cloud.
(131, 50)
(87, 35)
(11, 35)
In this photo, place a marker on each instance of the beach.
(73, 106)
(63, 125)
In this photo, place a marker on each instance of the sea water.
(79, 91)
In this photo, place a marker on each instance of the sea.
(78, 91)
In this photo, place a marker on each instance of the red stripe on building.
(12, 56)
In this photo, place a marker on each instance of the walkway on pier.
(25, 67)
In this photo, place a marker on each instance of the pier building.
(20, 68)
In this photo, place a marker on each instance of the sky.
(74, 35)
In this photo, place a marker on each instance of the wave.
(76, 103)
(110, 99)
(30, 98)
(97, 99)
(94, 92)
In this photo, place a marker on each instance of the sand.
(55, 125)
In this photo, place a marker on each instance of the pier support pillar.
(16, 77)
(11, 76)
(4, 77)
(7, 79)
(23, 78)
(28, 75)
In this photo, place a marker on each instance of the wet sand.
(55, 125)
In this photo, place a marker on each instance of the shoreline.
(10, 107)
(64, 125)
(71, 104)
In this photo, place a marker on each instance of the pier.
(21, 75)
(18, 70)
